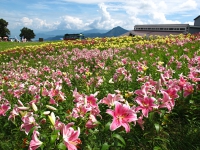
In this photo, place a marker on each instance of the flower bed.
(115, 93)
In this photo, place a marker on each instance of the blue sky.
(47, 15)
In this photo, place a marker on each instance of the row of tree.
(25, 32)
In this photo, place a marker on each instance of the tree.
(27, 33)
(4, 31)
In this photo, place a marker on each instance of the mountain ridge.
(116, 31)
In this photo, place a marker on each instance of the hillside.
(117, 31)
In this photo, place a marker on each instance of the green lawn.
(7, 45)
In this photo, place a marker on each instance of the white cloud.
(105, 21)
(188, 5)
(155, 11)
(42, 24)
(159, 18)
(26, 21)
(190, 23)
(69, 22)
(105, 14)
(37, 23)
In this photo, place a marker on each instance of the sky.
(47, 15)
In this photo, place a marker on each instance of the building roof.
(194, 26)
(197, 17)
(162, 25)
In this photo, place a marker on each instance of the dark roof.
(196, 17)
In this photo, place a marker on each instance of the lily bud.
(34, 107)
(158, 86)
(52, 118)
(51, 107)
(46, 112)
(110, 81)
(23, 108)
(20, 103)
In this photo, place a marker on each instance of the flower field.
(126, 93)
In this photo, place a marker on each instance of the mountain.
(42, 35)
(58, 37)
(117, 31)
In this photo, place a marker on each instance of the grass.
(8, 45)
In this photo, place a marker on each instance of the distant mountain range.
(58, 34)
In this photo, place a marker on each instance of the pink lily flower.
(59, 125)
(80, 110)
(122, 115)
(91, 100)
(146, 104)
(188, 89)
(182, 81)
(35, 142)
(70, 137)
(166, 101)
(111, 99)
(4, 108)
(91, 123)
(173, 92)
(29, 122)
(13, 113)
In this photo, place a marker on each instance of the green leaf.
(107, 127)
(6, 124)
(157, 148)
(191, 102)
(105, 146)
(119, 137)
(162, 139)
(53, 138)
(157, 126)
(61, 146)
(119, 144)
(151, 116)
(163, 112)
(55, 132)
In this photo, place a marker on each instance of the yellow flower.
(128, 94)
(144, 67)
(88, 73)
(160, 63)
(23, 113)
